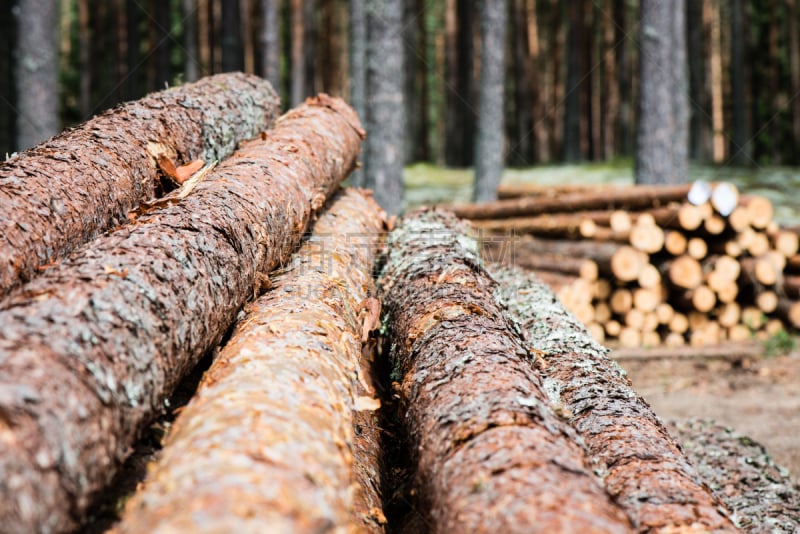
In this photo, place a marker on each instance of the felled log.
(91, 349)
(555, 225)
(490, 453)
(269, 435)
(541, 190)
(62, 193)
(642, 467)
(640, 197)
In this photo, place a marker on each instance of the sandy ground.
(760, 399)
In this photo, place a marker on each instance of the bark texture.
(36, 71)
(491, 456)
(385, 121)
(90, 350)
(642, 466)
(268, 438)
(60, 194)
(489, 139)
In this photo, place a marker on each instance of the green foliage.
(779, 344)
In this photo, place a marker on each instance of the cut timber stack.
(649, 265)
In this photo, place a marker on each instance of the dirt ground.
(759, 399)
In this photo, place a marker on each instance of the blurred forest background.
(571, 68)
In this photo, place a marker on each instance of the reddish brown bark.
(490, 454)
(268, 439)
(642, 197)
(91, 349)
(58, 195)
(641, 465)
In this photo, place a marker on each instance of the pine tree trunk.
(383, 159)
(298, 82)
(191, 63)
(232, 50)
(162, 44)
(63, 193)
(270, 42)
(572, 100)
(699, 125)
(133, 36)
(489, 141)
(358, 67)
(92, 349)
(8, 98)
(635, 454)
(478, 419)
(270, 393)
(662, 144)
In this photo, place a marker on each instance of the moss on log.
(62, 193)
(92, 348)
(267, 441)
(490, 453)
(642, 466)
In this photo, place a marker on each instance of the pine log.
(675, 242)
(613, 328)
(553, 225)
(714, 225)
(697, 248)
(75, 186)
(646, 236)
(586, 269)
(790, 286)
(759, 270)
(787, 243)
(621, 301)
(701, 298)
(789, 310)
(739, 219)
(679, 323)
(479, 421)
(793, 264)
(767, 301)
(649, 277)
(634, 452)
(284, 388)
(760, 210)
(540, 190)
(685, 271)
(640, 197)
(728, 351)
(92, 347)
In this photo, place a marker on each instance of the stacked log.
(269, 437)
(91, 348)
(695, 264)
(66, 191)
(491, 454)
(642, 467)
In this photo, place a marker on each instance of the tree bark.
(36, 72)
(298, 82)
(634, 452)
(614, 198)
(699, 125)
(662, 130)
(240, 414)
(489, 140)
(162, 45)
(94, 346)
(474, 407)
(740, 139)
(81, 183)
(622, 57)
(383, 158)
(270, 42)
(358, 67)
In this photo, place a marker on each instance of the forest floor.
(760, 399)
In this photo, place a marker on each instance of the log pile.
(287, 458)
(645, 266)
(91, 348)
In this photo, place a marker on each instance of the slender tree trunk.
(161, 293)
(133, 19)
(84, 60)
(541, 86)
(793, 14)
(524, 100)
(453, 119)
(191, 60)
(270, 42)
(624, 78)
(384, 114)
(232, 51)
(423, 152)
(358, 68)
(740, 138)
(699, 116)
(612, 101)
(36, 72)
(410, 91)
(715, 69)
(662, 144)
(489, 149)
(309, 48)
(466, 79)
(572, 98)
(248, 17)
(112, 162)
(8, 99)
(298, 83)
